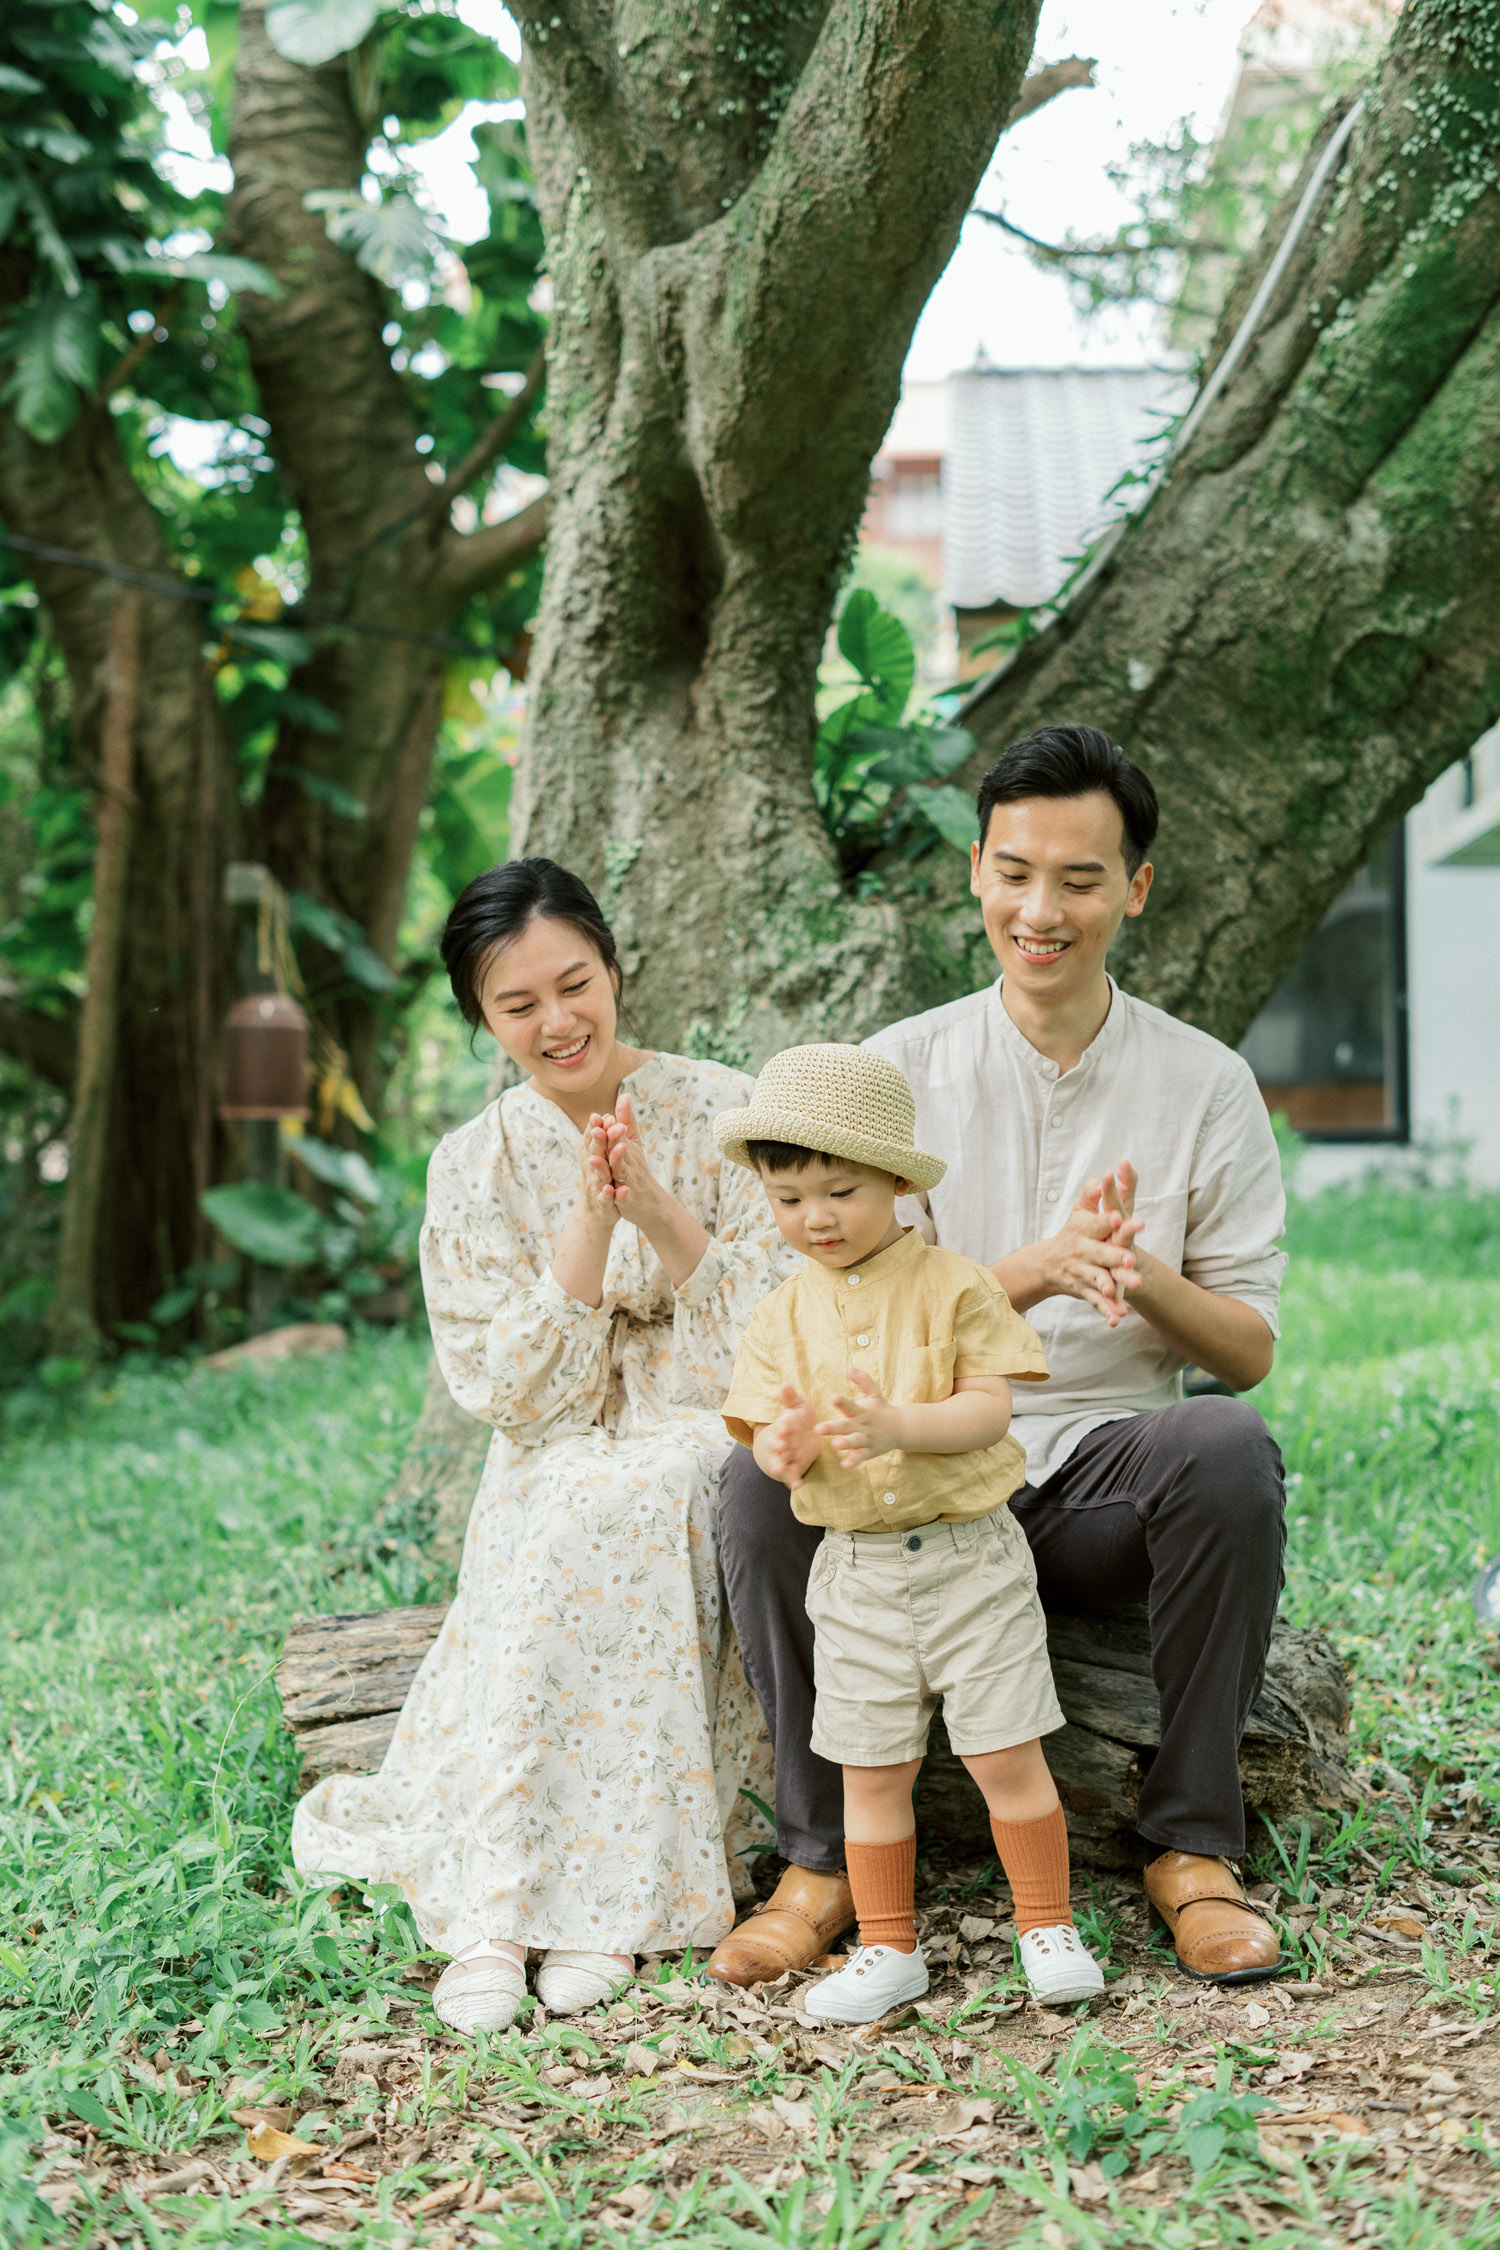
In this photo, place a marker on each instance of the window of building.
(914, 505)
(1329, 1047)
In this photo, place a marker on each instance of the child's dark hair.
(496, 908)
(1074, 761)
(783, 1156)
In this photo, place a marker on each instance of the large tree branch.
(572, 46)
(342, 426)
(43, 1043)
(495, 441)
(480, 557)
(1052, 79)
(793, 315)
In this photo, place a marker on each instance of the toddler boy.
(876, 1385)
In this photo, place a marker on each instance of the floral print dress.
(575, 1762)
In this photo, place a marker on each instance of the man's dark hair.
(496, 908)
(1074, 761)
(783, 1156)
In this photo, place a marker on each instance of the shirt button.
(861, 1341)
(854, 1281)
(1051, 1195)
(1055, 1123)
(890, 1499)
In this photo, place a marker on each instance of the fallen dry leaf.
(1405, 1925)
(266, 2143)
(174, 2183)
(643, 2060)
(277, 2117)
(442, 2196)
(337, 2169)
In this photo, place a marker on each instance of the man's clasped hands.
(1091, 1257)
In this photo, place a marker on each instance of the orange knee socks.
(883, 1878)
(1034, 1854)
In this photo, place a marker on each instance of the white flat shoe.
(481, 1989)
(567, 1983)
(877, 1979)
(1059, 1966)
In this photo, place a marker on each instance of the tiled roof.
(1032, 456)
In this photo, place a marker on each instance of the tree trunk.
(74, 1312)
(171, 984)
(1296, 635)
(1302, 628)
(742, 231)
(383, 552)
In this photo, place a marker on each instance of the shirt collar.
(886, 1265)
(1105, 1039)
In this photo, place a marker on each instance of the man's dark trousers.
(1182, 1507)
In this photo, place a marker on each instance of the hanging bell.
(265, 1058)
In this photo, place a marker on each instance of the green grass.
(160, 1529)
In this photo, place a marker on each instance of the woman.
(575, 1744)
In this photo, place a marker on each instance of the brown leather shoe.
(797, 1923)
(1220, 1937)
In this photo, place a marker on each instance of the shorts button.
(890, 1499)
(912, 1545)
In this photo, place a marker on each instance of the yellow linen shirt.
(916, 1320)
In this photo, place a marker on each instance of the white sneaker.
(482, 1989)
(877, 1979)
(1059, 1966)
(567, 1983)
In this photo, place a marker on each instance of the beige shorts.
(908, 1620)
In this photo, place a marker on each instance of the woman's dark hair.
(1074, 761)
(496, 908)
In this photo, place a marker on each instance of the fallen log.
(342, 1680)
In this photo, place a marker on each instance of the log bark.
(342, 1680)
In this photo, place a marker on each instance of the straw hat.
(841, 1101)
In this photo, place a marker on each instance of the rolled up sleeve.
(1236, 1210)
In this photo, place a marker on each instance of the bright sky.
(1159, 61)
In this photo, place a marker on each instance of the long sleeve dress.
(574, 1763)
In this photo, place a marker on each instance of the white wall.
(1453, 979)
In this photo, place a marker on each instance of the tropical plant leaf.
(314, 31)
(879, 647)
(273, 1225)
(328, 792)
(337, 1167)
(208, 265)
(390, 239)
(951, 812)
(13, 81)
(55, 346)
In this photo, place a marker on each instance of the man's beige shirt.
(1020, 1141)
(916, 1320)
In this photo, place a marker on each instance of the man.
(1117, 1172)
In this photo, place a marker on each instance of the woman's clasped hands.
(616, 1182)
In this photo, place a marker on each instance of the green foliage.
(83, 209)
(878, 775)
(390, 238)
(273, 1225)
(314, 31)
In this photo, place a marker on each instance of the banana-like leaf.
(314, 31)
(209, 265)
(951, 812)
(390, 239)
(341, 1168)
(55, 347)
(879, 647)
(273, 1225)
